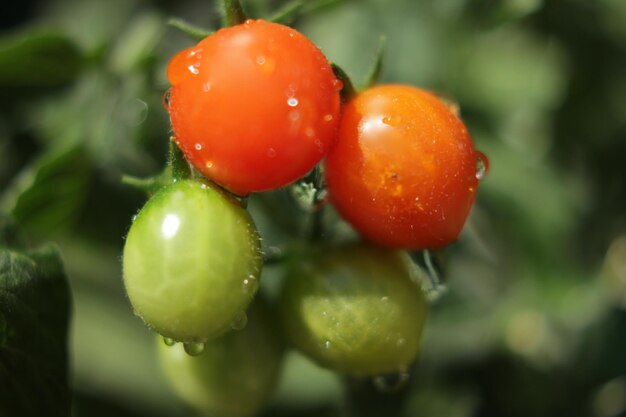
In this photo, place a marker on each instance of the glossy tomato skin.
(355, 309)
(403, 171)
(253, 106)
(191, 262)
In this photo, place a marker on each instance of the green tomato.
(354, 309)
(234, 375)
(192, 262)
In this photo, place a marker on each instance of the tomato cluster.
(254, 107)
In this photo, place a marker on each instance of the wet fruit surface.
(404, 169)
(354, 309)
(253, 106)
(191, 262)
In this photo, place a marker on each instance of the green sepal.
(177, 169)
(348, 91)
(192, 31)
(374, 74)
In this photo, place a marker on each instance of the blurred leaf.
(48, 194)
(138, 42)
(38, 59)
(34, 315)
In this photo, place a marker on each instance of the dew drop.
(194, 348)
(260, 60)
(192, 69)
(166, 99)
(384, 299)
(206, 87)
(198, 146)
(271, 153)
(482, 165)
(292, 102)
(327, 345)
(249, 284)
(328, 117)
(392, 120)
(209, 164)
(309, 132)
(240, 321)
(391, 382)
(294, 115)
(169, 341)
(337, 84)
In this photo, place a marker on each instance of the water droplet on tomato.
(193, 69)
(271, 153)
(249, 284)
(337, 84)
(328, 117)
(309, 132)
(169, 341)
(209, 164)
(260, 59)
(166, 99)
(194, 348)
(206, 87)
(292, 102)
(482, 165)
(294, 115)
(392, 120)
(240, 321)
(198, 146)
(391, 382)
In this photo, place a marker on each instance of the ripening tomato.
(403, 170)
(355, 309)
(253, 106)
(192, 262)
(235, 375)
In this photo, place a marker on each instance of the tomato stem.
(288, 12)
(194, 32)
(232, 13)
(177, 164)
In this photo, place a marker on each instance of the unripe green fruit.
(354, 309)
(191, 262)
(235, 375)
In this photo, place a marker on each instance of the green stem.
(232, 13)
(194, 32)
(177, 163)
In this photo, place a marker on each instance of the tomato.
(253, 106)
(235, 375)
(354, 309)
(191, 262)
(403, 171)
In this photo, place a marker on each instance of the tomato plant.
(253, 106)
(354, 309)
(403, 171)
(235, 374)
(191, 262)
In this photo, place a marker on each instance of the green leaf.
(48, 194)
(38, 59)
(34, 315)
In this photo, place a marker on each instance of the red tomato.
(403, 171)
(253, 106)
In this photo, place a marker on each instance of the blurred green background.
(533, 322)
